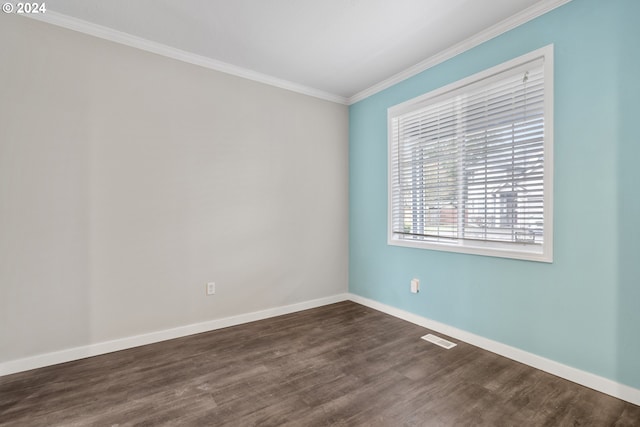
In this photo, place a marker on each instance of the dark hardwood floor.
(341, 365)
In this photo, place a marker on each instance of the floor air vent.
(439, 341)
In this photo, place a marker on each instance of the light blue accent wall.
(628, 195)
(582, 310)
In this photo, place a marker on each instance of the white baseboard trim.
(81, 352)
(587, 379)
(578, 376)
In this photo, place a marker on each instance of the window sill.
(519, 252)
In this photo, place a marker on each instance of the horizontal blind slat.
(472, 165)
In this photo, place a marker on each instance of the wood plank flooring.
(339, 365)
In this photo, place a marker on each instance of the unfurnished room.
(319, 213)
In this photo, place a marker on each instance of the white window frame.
(541, 253)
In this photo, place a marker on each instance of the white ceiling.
(337, 49)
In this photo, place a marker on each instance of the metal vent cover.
(439, 341)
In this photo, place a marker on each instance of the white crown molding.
(587, 379)
(502, 27)
(75, 24)
(104, 347)
(116, 36)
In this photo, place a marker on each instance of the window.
(470, 164)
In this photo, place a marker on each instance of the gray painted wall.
(129, 180)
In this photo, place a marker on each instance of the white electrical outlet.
(415, 286)
(211, 288)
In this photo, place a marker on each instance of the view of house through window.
(470, 164)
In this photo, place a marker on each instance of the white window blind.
(467, 166)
